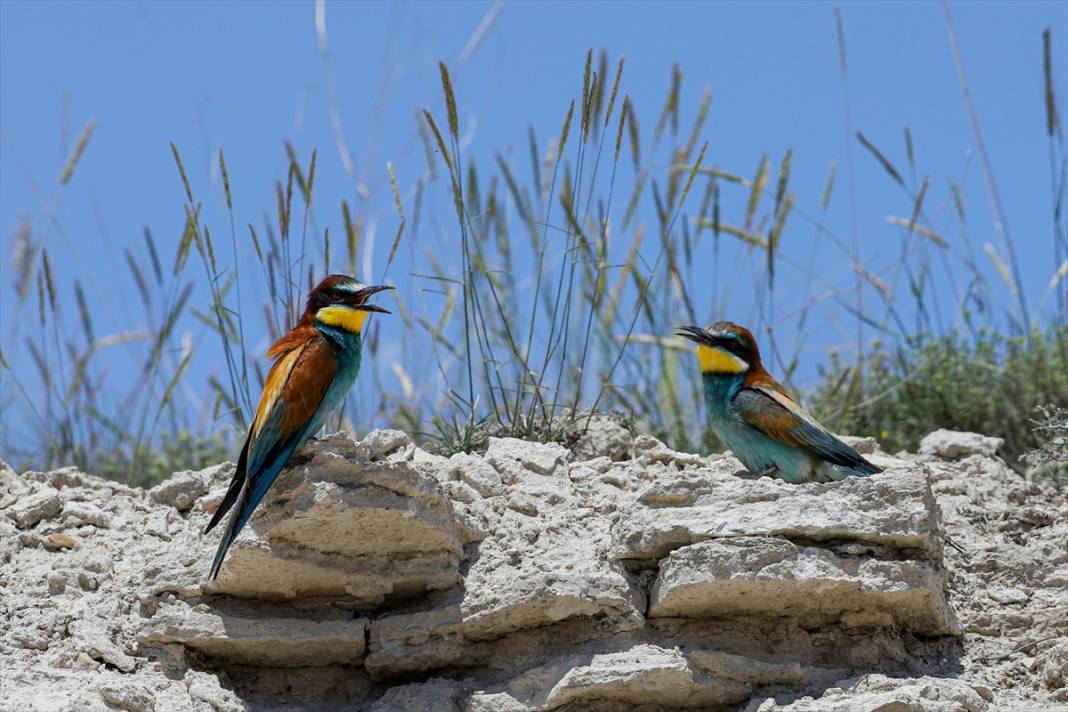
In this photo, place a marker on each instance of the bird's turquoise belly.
(758, 452)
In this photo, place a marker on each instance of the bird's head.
(341, 302)
(724, 348)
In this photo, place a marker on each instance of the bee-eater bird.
(763, 425)
(315, 366)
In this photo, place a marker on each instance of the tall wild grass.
(551, 292)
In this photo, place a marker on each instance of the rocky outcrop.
(615, 575)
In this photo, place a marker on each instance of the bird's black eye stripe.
(327, 297)
(336, 294)
(737, 348)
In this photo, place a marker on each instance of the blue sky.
(246, 76)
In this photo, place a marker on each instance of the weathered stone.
(434, 695)
(91, 638)
(601, 436)
(257, 634)
(338, 525)
(183, 489)
(459, 491)
(81, 513)
(954, 444)
(180, 491)
(12, 487)
(84, 662)
(67, 477)
(649, 451)
(641, 675)
(258, 569)
(542, 561)
(477, 473)
(520, 584)
(206, 688)
(130, 696)
(763, 577)
(540, 458)
(1053, 662)
(57, 582)
(865, 445)
(379, 443)
(33, 508)
(879, 693)
(894, 509)
(58, 540)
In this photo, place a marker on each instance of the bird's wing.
(293, 392)
(286, 419)
(286, 351)
(781, 418)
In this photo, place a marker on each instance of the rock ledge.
(377, 576)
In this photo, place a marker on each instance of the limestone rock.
(477, 473)
(954, 444)
(130, 696)
(379, 577)
(91, 638)
(340, 525)
(79, 513)
(540, 458)
(766, 576)
(865, 445)
(640, 675)
(278, 636)
(58, 540)
(895, 509)
(434, 695)
(1054, 665)
(29, 510)
(182, 490)
(601, 436)
(879, 693)
(380, 443)
(543, 560)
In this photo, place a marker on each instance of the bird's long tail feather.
(234, 493)
(228, 535)
(236, 484)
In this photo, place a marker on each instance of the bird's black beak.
(694, 333)
(362, 295)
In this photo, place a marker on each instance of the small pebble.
(57, 541)
(84, 662)
(57, 583)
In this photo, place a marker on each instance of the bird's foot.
(771, 471)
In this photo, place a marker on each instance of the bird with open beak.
(315, 365)
(762, 424)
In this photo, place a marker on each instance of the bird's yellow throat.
(716, 360)
(342, 317)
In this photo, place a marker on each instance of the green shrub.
(1049, 461)
(989, 384)
(180, 451)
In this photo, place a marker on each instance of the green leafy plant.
(988, 384)
(1049, 460)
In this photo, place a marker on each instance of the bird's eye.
(737, 348)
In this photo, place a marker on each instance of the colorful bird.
(762, 424)
(315, 366)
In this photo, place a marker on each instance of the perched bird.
(762, 424)
(315, 366)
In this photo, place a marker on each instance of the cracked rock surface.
(614, 575)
